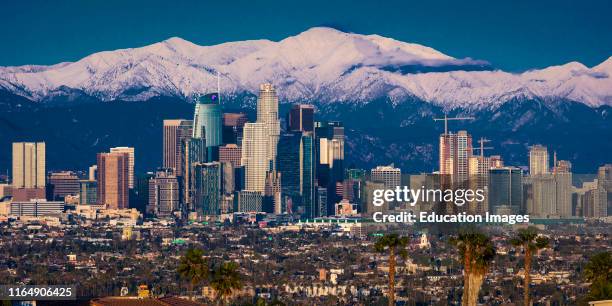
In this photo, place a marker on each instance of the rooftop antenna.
(219, 86)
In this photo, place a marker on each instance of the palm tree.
(193, 267)
(395, 244)
(528, 239)
(476, 251)
(598, 271)
(225, 279)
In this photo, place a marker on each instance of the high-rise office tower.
(301, 118)
(228, 178)
(113, 180)
(388, 175)
(329, 152)
(455, 153)
(207, 122)
(28, 171)
(307, 175)
(174, 134)
(194, 151)
(163, 193)
(562, 173)
(288, 163)
(603, 207)
(272, 193)
(230, 153)
(255, 155)
(505, 190)
(88, 192)
(207, 181)
(355, 182)
(29, 165)
(538, 160)
(267, 113)
(62, 184)
(130, 152)
(233, 124)
(296, 163)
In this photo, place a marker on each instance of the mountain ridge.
(321, 65)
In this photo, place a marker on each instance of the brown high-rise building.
(235, 119)
(113, 180)
(175, 132)
(301, 118)
(230, 153)
(63, 184)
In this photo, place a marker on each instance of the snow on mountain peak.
(320, 64)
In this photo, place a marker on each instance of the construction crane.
(446, 119)
(482, 141)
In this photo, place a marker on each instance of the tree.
(476, 251)
(527, 238)
(193, 267)
(395, 245)
(598, 271)
(225, 279)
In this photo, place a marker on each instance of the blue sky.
(512, 35)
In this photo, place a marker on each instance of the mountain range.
(393, 87)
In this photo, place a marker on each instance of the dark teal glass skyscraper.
(207, 123)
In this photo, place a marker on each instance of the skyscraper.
(267, 113)
(329, 154)
(130, 153)
(255, 156)
(307, 175)
(28, 171)
(194, 151)
(505, 190)
(272, 193)
(230, 153)
(388, 175)
(207, 181)
(174, 134)
(163, 193)
(604, 191)
(207, 123)
(455, 153)
(113, 180)
(288, 163)
(301, 118)
(233, 124)
(562, 172)
(88, 192)
(538, 160)
(62, 184)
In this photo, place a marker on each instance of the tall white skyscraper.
(29, 165)
(130, 152)
(255, 155)
(538, 160)
(267, 113)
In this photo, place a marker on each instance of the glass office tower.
(207, 123)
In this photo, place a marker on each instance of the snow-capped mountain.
(320, 64)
